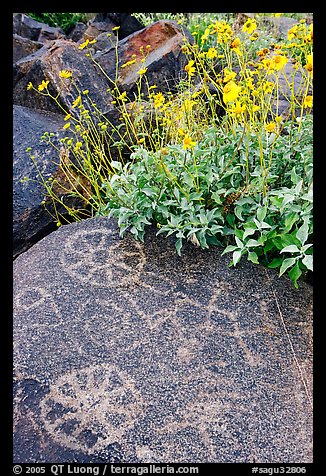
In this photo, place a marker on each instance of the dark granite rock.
(164, 59)
(31, 219)
(24, 47)
(77, 31)
(47, 63)
(126, 352)
(27, 27)
(104, 22)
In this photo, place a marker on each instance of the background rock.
(47, 63)
(164, 59)
(126, 352)
(27, 27)
(24, 47)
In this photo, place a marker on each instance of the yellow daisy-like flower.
(181, 132)
(29, 86)
(64, 73)
(76, 102)
(268, 87)
(205, 35)
(230, 91)
(270, 126)
(84, 44)
(159, 100)
(43, 85)
(237, 109)
(188, 143)
(211, 53)
(309, 65)
(279, 61)
(190, 69)
(228, 75)
(235, 46)
(142, 71)
(249, 26)
(307, 101)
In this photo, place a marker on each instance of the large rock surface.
(125, 352)
(47, 63)
(30, 219)
(164, 60)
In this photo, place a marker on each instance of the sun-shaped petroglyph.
(91, 408)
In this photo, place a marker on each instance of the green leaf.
(248, 232)
(295, 274)
(302, 233)
(252, 243)
(287, 263)
(229, 248)
(275, 263)
(252, 256)
(178, 245)
(236, 256)
(261, 213)
(239, 242)
(290, 249)
(308, 262)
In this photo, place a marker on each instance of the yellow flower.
(228, 75)
(309, 65)
(140, 141)
(279, 61)
(122, 96)
(181, 132)
(307, 101)
(83, 45)
(249, 26)
(254, 36)
(76, 102)
(142, 71)
(237, 109)
(29, 86)
(66, 126)
(278, 119)
(128, 63)
(293, 32)
(86, 91)
(270, 126)
(158, 100)
(235, 46)
(211, 53)
(64, 73)
(205, 35)
(43, 85)
(190, 69)
(115, 28)
(68, 116)
(230, 91)
(78, 146)
(268, 87)
(188, 143)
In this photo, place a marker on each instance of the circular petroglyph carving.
(91, 408)
(89, 257)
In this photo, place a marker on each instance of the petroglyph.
(92, 407)
(164, 358)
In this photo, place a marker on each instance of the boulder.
(77, 31)
(27, 27)
(47, 63)
(31, 218)
(104, 22)
(164, 59)
(24, 47)
(125, 352)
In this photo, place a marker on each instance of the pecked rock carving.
(125, 352)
